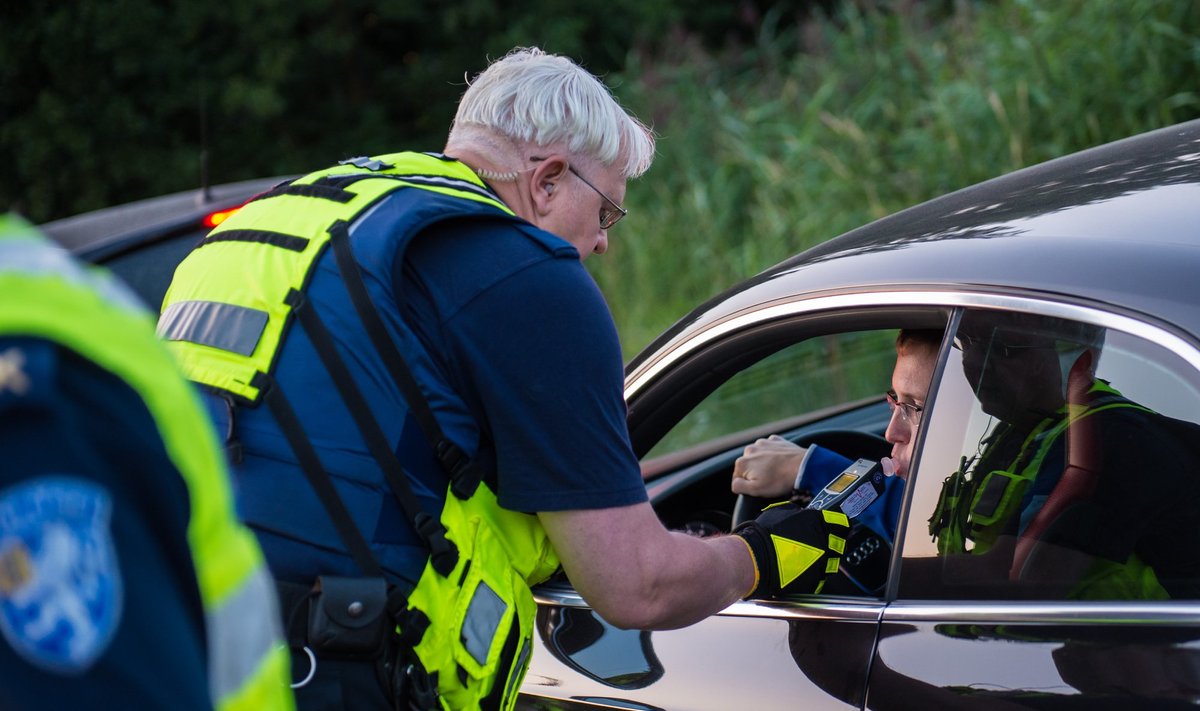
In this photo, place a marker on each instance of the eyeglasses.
(608, 216)
(910, 414)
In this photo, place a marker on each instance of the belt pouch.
(348, 616)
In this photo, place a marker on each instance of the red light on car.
(215, 218)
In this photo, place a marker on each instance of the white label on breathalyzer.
(859, 500)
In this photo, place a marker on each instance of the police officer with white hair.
(422, 386)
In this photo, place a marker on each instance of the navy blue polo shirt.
(519, 330)
(528, 341)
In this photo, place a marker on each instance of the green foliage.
(824, 125)
(107, 101)
(824, 372)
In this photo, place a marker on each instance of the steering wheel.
(848, 443)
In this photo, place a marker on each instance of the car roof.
(1117, 225)
(135, 221)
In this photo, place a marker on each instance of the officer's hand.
(794, 549)
(767, 468)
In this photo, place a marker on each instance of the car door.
(815, 376)
(1053, 621)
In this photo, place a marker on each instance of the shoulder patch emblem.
(12, 372)
(60, 586)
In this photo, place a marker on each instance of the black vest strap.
(463, 471)
(317, 477)
(443, 553)
(312, 190)
(277, 239)
(505, 671)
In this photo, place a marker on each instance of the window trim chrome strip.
(907, 611)
(1044, 612)
(868, 609)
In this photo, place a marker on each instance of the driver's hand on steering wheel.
(768, 468)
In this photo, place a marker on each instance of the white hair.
(545, 99)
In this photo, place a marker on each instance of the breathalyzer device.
(852, 491)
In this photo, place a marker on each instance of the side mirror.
(581, 639)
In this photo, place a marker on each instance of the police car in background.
(143, 241)
(1107, 239)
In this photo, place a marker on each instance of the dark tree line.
(107, 101)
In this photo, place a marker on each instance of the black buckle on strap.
(412, 623)
(464, 475)
(367, 163)
(443, 554)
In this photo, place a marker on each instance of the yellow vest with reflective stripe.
(45, 294)
(258, 304)
(226, 318)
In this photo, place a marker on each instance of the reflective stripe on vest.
(248, 632)
(44, 294)
(225, 327)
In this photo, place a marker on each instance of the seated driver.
(776, 468)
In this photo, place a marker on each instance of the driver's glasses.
(609, 216)
(910, 414)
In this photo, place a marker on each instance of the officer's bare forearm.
(636, 574)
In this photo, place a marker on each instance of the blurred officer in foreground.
(423, 386)
(125, 580)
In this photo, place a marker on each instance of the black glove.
(794, 548)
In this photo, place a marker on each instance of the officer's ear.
(546, 182)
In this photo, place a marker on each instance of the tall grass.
(827, 124)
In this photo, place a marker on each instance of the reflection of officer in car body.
(1060, 490)
(1019, 374)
